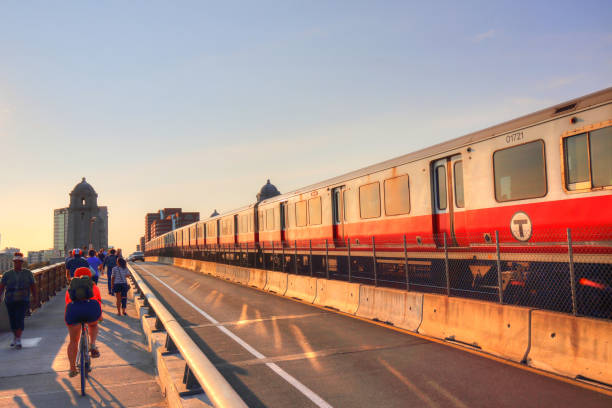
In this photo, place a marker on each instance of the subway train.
(520, 212)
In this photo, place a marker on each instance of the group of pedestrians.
(83, 299)
(97, 262)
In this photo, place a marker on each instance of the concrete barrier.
(277, 282)
(400, 308)
(571, 346)
(502, 330)
(301, 287)
(218, 270)
(208, 268)
(199, 267)
(241, 275)
(257, 278)
(343, 296)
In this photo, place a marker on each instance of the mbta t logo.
(520, 226)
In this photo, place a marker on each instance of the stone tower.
(87, 222)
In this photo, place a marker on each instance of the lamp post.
(91, 222)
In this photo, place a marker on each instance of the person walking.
(75, 262)
(102, 255)
(110, 261)
(94, 264)
(120, 284)
(18, 283)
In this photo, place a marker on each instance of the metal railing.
(564, 270)
(200, 373)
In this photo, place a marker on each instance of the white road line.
(311, 395)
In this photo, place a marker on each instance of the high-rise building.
(83, 223)
(60, 229)
(165, 220)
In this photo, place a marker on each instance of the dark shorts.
(17, 312)
(121, 288)
(87, 311)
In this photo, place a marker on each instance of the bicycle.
(83, 359)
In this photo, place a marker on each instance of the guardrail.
(49, 280)
(197, 368)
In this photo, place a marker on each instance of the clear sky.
(196, 104)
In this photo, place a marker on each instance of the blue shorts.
(87, 311)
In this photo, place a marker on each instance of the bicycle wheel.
(87, 356)
(83, 357)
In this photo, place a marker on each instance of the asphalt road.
(277, 352)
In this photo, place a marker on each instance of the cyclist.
(88, 310)
(75, 262)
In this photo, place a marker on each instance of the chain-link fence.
(567, 270)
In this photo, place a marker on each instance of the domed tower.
(87, 222)
(83, 195)
(267, 191)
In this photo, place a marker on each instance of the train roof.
(561, 109)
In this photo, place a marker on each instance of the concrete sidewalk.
(37, 375)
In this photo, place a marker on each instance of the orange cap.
(82, 271)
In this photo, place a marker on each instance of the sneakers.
(12, 345)
(18, 344)
(94, 352)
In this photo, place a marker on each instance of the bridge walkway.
(37, 375)
(277, 352)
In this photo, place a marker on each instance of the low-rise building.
(6, 259)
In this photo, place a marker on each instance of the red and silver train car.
(526, 181)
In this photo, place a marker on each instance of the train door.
(235, 229)
(283, 220)
(448, 210)
(338, 214)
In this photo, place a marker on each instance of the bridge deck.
(37, 375)
(279, 353)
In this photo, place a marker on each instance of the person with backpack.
(110, 262)
(83, 305)
(94, 264)
(120, 284)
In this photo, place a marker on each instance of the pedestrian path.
(37, 375)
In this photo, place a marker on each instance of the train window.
(441, 187)
(369, 200)
(276, 217)
(397, 195)
(270, 219)
(314, 211)
(458, 173)
(346, 198)
(262, 224)
(520, 172)
(576, 161)
(601, 151)
(301, 217)
(587, 159)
